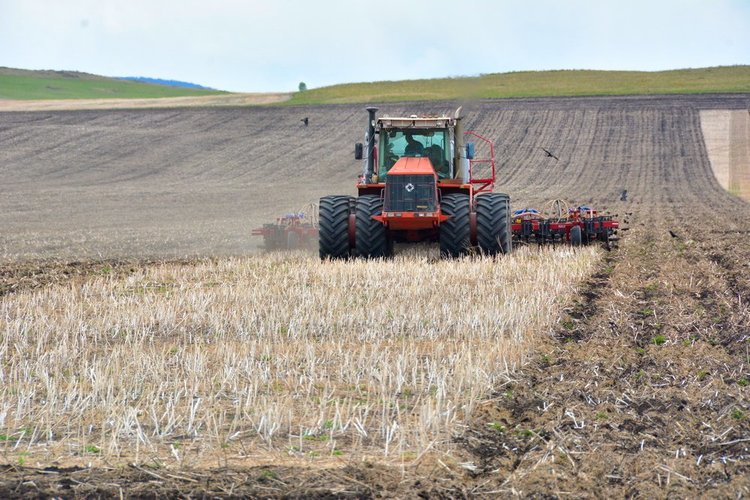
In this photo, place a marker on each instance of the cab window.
(398, 143)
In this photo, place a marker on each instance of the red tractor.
(420, 182)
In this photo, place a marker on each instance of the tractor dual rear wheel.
(333, 232)
(493, 223)
(372, 239)
(455, 233)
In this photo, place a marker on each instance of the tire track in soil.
(642, 391)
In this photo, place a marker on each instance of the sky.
(273, 45)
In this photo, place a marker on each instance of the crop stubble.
(266, 355)
(642, 394)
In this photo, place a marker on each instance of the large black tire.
(455, 233)
(269, 243)
(494, 228)
(372, 236)
(576, 238)
(333, 233)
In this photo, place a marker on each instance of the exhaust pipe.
(460, 160)
(370, 144)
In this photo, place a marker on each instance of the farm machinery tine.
(292, 231)
(558, 222)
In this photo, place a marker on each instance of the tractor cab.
(438, 139)
(435, 144)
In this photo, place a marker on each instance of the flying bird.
(305, 121)
(549, 154)
(672, 234)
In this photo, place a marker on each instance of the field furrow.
(620, 373)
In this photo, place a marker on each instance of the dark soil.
(643, 390)
(31, 275)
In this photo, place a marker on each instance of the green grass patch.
(313, 437)
(496, 426)
(536, 84)
(659, 340)
(268, 474)
(28, 85)
(568, 324)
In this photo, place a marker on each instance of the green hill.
(25, 85)
(721, 79)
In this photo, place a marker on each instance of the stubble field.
(636, 369)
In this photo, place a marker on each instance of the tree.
(302, 86)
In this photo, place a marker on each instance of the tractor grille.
(410, 193)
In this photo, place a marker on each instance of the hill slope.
(186, 181)
(161, 81)
(640, 391)
(24, 85)
(30, 85)
(537, 84)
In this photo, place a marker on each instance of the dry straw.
(277, 352)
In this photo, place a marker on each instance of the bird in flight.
(305, 120)
(549, 154)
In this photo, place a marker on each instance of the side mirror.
(358, 151)
(470, 150)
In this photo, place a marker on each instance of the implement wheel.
(333, 234)
(576, 238)
(372, 236)
(455, 233)
(292, 241)
(493, 223)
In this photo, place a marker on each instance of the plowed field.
(641, 390)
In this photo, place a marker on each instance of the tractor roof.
(415, 121)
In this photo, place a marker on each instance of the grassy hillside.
(25, 85)
(537, 84)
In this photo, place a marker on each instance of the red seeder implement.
(558, 223)
(291, 231)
